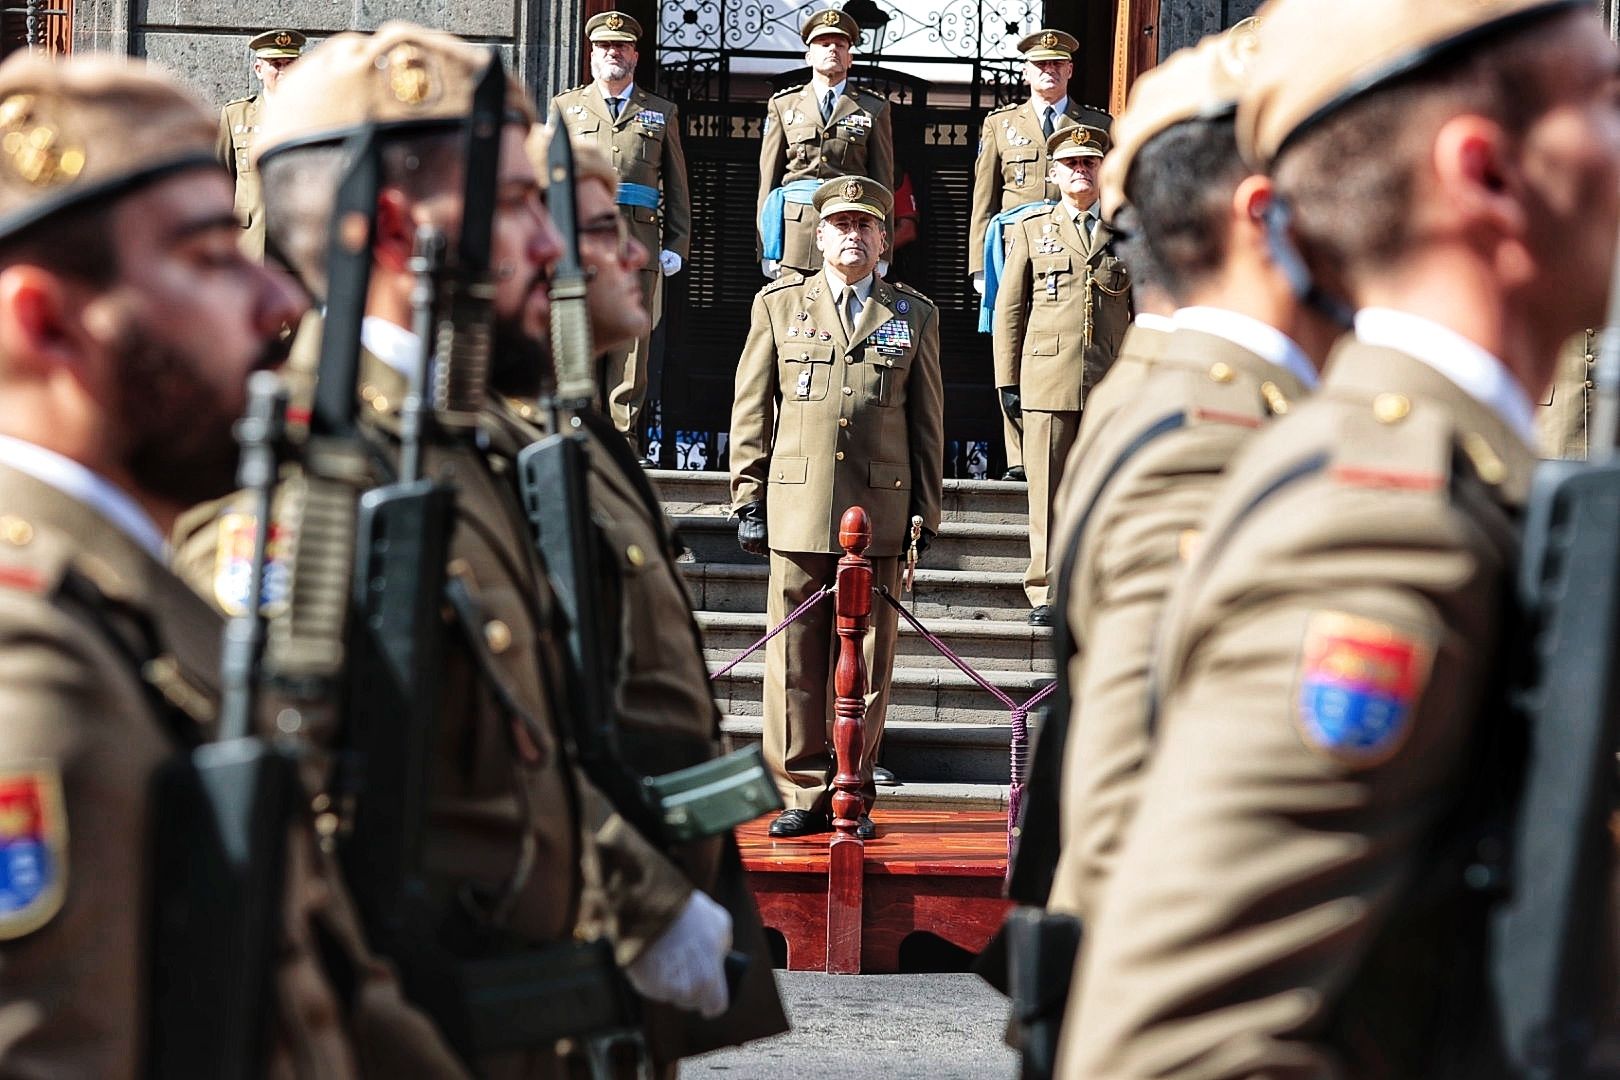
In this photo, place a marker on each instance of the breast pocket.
(1054, 275)
(649, 143)
(1021, 169)
(583, 126)
(804, 145)
(882, 374)
(806, 370)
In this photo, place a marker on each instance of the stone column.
(556, 41)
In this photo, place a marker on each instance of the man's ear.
(1476, 177)
(396, 230)
(1247, 213)
(37, 332)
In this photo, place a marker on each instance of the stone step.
(986, 644)
(991, 502)
(712, 537)
(941, 695)
(988, 595)
(921, 752)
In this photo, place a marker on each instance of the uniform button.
(635, 555)
(897, 483)
(380, 403)
(843, 421)
(367, 392)
(1391, 408)
(1222, 372)
(848, 391)
(498, 636)
(15, 531)
(839, 455)
(1590, 385)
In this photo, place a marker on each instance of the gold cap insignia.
(829, 18)
(1081, 137)
(408, 78)
(1048, 40)
(853, 189)
(614, 20)
(284, 39)
(32, 151)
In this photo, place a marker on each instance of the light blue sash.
(638, 195)
(995, 256)
(771, 228)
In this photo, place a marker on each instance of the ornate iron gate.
(936, 125)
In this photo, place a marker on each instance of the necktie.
(616, 103)
(1046, 121)
(849, 311)
(827, 107)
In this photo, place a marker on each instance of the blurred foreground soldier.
(1061, 313)
(814, 132)
(1290, 898)
(839, 403)
(641, 134)
(129, 322)
(515, 835)
(273, 53)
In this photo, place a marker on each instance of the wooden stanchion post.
(846, 858)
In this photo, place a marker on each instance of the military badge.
(853, 189)
(33, 849)
(1359, 684)
(614, 20)
(902, 305)
(894, 334)
(651, 118)
(829, 18)
(1048, 40)
(233, 565)
(408, 77)
(284, 39)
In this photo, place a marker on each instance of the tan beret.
(831, 21)
(1081, 140)
(1199, 83)
(1316, 56)
(403, 78)
(612, 26)
(588, 160)
(277, 45)
(1049, 45)
(91, 128)
(860, 193)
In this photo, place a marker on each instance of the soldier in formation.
(273, 53)
(1061, 315)
(839, 402)
(641, 134)
(814, 132)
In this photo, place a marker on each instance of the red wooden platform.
(931, 870)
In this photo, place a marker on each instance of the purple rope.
(814, 599)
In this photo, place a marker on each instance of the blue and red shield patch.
(233, 566)
(1359, 683)
(33, 850)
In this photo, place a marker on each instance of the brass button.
(843, 421)
(1222, 372)
(498, 636)
(380, 403)
(367, 392)
(1276, 400)
(15, 531)
(635, 555)
(897, 483)
(848, 391)
(839, 455)
(1590, 385)
(1391, 408)
(781, 474)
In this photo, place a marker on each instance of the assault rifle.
(222, 815)
(1551, 935)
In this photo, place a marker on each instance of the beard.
(520, 363)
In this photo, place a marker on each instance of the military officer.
(1563, 420)
(1323, 681)
(1011, 171)
(1061, 315)
(511, 821)
(641, 134)
(130, 320)
(273, 52)
(814, 132)
(838, 403)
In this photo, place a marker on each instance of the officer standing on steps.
(273, 52)
(1291, 898)
(814, 132)
(1010, 173)
(1061, 314)
(839, 403)
(640, 133)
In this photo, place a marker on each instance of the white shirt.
(395, 346)
(92, 489)
(821, 94)
(1058, 107)
(1149, 321)
(1246, 332)
(623, 96)
(1481, 375)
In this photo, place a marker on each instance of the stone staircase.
(945, 738)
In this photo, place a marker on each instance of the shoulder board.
(574, 89)
(662, 103)
(789, 90)
(1006, 108)
(240, 101)
(864, 95)
(900, 286)
(791, 278)
(1394, 442)
(32, 559)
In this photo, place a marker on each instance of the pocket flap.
(889, 474)
(807, 352)
(1050, 264)
(789, 470)
(1043, 344)
(643, 214)
(1022, 153)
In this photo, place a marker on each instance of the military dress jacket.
(1323, 685)
(820, 423)
(1565, 415)
(1061, 313)
(238, 125)
(1139, 350)
(1011, 166)
(644, 144)
(858, 140)
(1130, 522)
(109, 667)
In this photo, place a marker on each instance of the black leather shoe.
(866, 830)
(646, 463)
(1015, 474)
(883, 777)
(1041, 616)
(800, 823)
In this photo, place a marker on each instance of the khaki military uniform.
(1327, 662)
(821, 423)
(1139, 350)
(858, 140)
(109, 666)
(238, 122)
(1061, 315)
(1563, 420)
(644, 144)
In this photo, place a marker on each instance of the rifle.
(1549, 937)
(222, 815)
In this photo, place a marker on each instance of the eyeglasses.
(612, 233)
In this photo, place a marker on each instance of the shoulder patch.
(792, 277)
(1359, 682)
(789, 90)
(33, 848)
(233, 565)
(1005, 108)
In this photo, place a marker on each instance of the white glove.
(883, 268)
(686, 966)
(669, 262)
(771, 268)
(978, 282)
